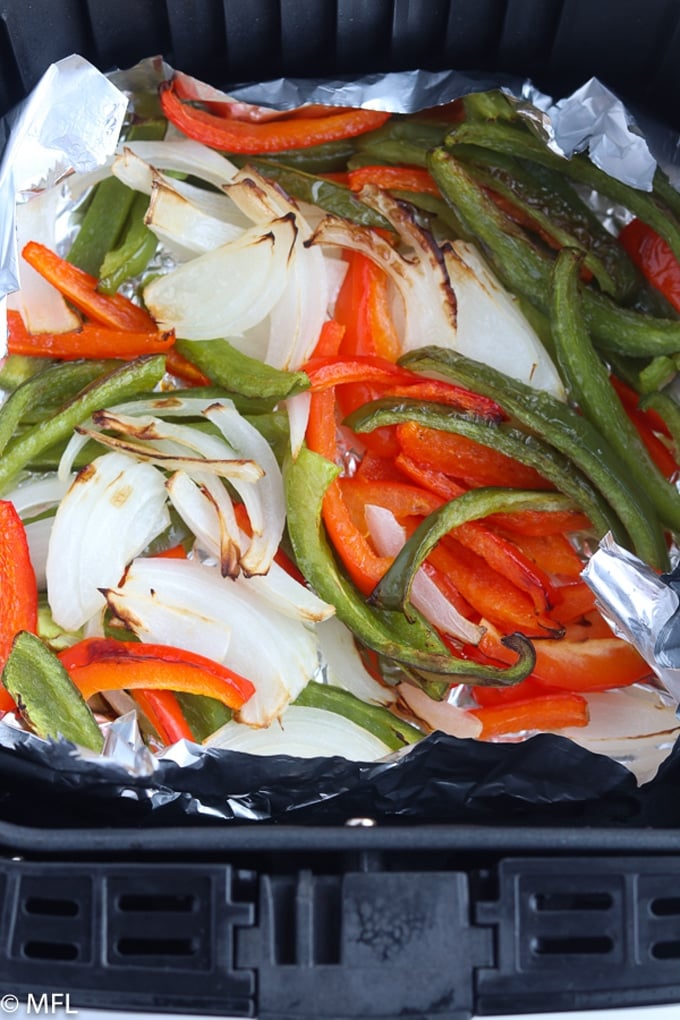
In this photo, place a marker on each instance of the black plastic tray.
(356, 920)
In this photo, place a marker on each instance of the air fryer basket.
(349, 920)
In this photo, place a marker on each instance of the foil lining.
(545, 778)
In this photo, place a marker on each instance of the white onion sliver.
(297, 409)
(269, 506)
(486, 311)
(38, 538)
(440, 715)
(344, 667)
(286, 656)
(178, 221)
(183, 155)
(303, 732)
(111, 512)
(228, 290)
(37, 494)
(389, 537)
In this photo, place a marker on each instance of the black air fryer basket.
(490, 904)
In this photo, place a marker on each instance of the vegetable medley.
(309, 429)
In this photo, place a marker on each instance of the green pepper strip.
(525, 269)
(60, 382)
(46, 696)
(514, 141)
(588, 382)
(547, 190)
(525, 448)
(328, 157)
(569, 432)
(668, 410)
(228, 367)
(393, 732)
(553, 226)
(389, 633)
(102, 225)
(120, 384)
(402, 141)
(204, 715)
(329, 195)
(134, 251)
(394, 589)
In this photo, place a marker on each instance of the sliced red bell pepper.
(647, 424)
(90, 341)
(18, 587)
(114, 311)
(165, 715)
(176, 364)
(396, 178)
(298, 132)
(102, 664)
(546, 713)
(489, 696)
(361, 368)
(554, 554)
(362, 563)
(363, 308)
(330, 339)
(597, 664)
(654, 259)
(465, 459)
(372, 467)
(491, 594)
(575, 600)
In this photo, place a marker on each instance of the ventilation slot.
(51, 908)
(665, 906)
(156, 947)
(573, 946)
(51, 951)
(666, 950)
(163, 903)
(572, 901)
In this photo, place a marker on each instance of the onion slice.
(228, 290)
(302, 732)
(111, 512)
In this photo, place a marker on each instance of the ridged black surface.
(632, 45)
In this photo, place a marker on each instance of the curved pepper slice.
(102, 664)
(654, 258)
(270, 136)
(113, 310)
(17, 581)
(90, 341)
(165, 715)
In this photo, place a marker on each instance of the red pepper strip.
(361, 368)
(488, 696)
(465, 459)
(270, 136)
(102, 664)
(589, 627)
(397, 178)
(630, 400)
(658, 451)
(18, 586)
(363, 307)
(654, 259)
(489, 592)
(176, 364)
(525, 522)
(593, 665)
(163, 712)
(575, 600)
(500, 553)
(90, 341)
(553, 553)
(546, 713)
(363, 565)
(175, 552)
(330, 339)
(115, 310)
(372, 467)
(442, 392)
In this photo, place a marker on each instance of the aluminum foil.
(545, 778)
